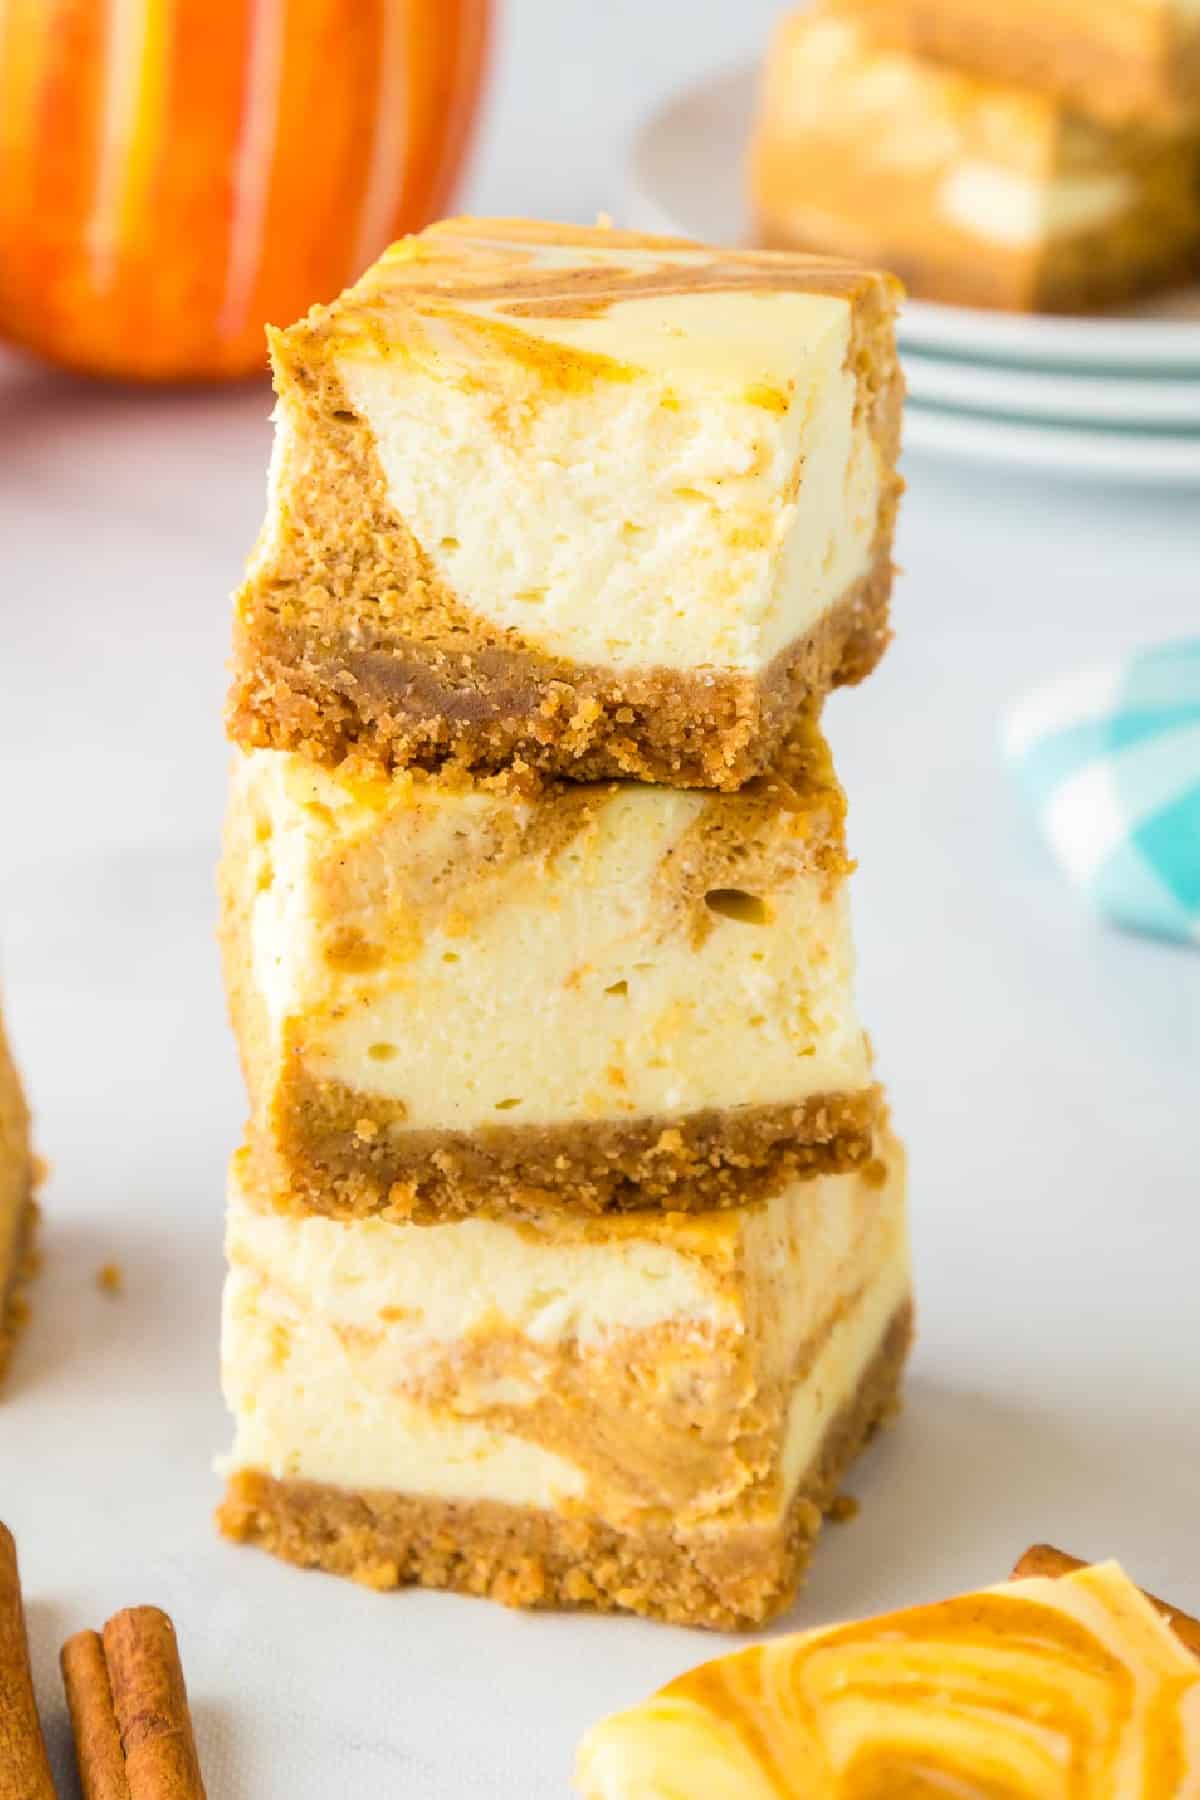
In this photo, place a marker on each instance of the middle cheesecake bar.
(502, 995)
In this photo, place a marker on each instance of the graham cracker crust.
(348, 642)
(14, 1309)
(567, 1561)
(332, 1152)
(402, 704)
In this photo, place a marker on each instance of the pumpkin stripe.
(470, 27)
(33, 85)
(254, 164)
(385, 180)
(324, 137)
(184, 265)
(135, 57)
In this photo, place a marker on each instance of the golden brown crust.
(347, 640)
(332, 1152)
(401, 705)
(14, 1280)
(723, 1580)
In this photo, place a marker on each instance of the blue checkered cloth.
(1110, 758)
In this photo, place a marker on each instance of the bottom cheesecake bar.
(650, 1414)
(18, 1211)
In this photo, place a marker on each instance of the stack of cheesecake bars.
(568, 1256)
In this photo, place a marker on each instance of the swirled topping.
(1072, 1689)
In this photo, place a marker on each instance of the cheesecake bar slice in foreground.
(1044, 1688)
(608, 504)
(646, 1412)
(974, 191)
(455, 995)
(1120, 61)
(18, 1170)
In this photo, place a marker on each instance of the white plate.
(1130, 458)
(1077, 396)
(687, 177)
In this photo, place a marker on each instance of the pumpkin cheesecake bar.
(456, 994)
(1113, 60)
(605, 504)
(645, 1412)
(1046, 1687)
(18, 1174)
(975, 191)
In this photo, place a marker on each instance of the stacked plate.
(1117, 397)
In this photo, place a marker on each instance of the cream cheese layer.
(478, 959)
(476, 1359)
(1018, 211)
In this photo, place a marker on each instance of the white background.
(1043, 1069)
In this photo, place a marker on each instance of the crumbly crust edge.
(385, 706)
(330, 1151)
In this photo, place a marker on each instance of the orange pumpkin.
(173, 173)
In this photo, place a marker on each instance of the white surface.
(687, 177)
(1144, 459)
(1083, 395)
(1043, 1070)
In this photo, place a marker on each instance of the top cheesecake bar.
(1122, 62)
(596, 503)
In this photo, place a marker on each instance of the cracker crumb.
(110, 1278)
(844, 1508)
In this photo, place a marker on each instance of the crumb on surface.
(844, 1508)
(110, 1278)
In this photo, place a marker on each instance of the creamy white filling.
(563, 998)
(419, 1290)
(993, 203)
(702, 511)
(398, 1297)
(837, 1371)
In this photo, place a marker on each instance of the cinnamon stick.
(151, 1707)
(1043, 1559)
(24, 1768)
(98, 1749)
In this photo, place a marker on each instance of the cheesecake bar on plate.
(1120, 61)
(645, 1412)
(18, 1172)
(974, 191)
(456, 994)
(596, 502)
